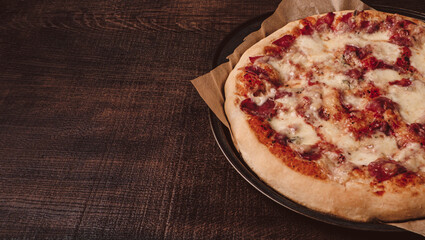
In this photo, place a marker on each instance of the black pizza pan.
(224, 140)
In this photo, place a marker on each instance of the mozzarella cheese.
(260, 100)
(382, 77)
(411, 101)
(413, 155)
(418, 59)
(357, 103)
(294, 126)
(334, 80)
(359, 152)
(383, 50)
(286, 70)
(313, 48)
(288, 102)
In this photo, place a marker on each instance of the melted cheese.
(295, 128)
(356, 102)
(413, 155)
(370, 149)
(385, 51)
(301, 59)
(338, 41)
(381, 48)
(336, 135)
(286, 70)
(332, 79)
(313, 48)
(381, 77)
(411, 101)
(418, 59)
(377, 36)
(260, 100)
(288, 102)
(359, 152)
(315, 95)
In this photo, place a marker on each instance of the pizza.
(330, 111)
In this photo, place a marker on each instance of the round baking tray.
(224, 140)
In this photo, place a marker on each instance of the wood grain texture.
(102, 136)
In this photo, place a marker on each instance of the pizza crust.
(353, 200)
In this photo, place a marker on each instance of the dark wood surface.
(103, 136)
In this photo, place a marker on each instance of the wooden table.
(103, 136)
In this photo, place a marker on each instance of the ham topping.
(266, 110)
(384, 169)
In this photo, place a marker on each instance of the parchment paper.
(211, 85)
